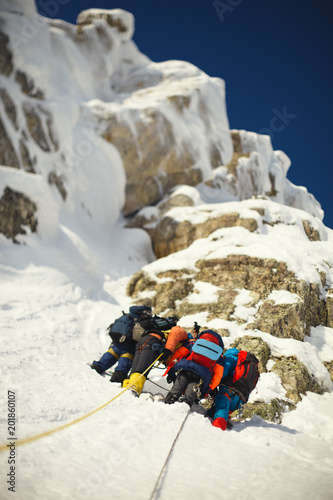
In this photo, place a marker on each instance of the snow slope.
(60, 289)
(56, 301)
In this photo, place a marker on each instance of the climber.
(121, 352)
(122, 347)
(240, 376)
(148, 349)
(198, 368)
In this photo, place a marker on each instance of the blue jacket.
(229, 362)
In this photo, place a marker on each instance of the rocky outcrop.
(154, 161)
(16, 212)
(272, 411)
(40, 126)
(8, 155)
(295, 378)
(9, 106)
(256, 170)
(329, 306)
(329, 367)
(27, 85)
(6, 56)
(255, 345)
(292, 320)
(176, 221)
(259, 276)
(172, 235)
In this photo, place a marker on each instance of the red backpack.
(206, 351)
(245, 376)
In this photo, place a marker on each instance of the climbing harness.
(159, 479)
(35, 437)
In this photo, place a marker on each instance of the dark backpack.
(153, 324)
(122, 329)
(245, 376)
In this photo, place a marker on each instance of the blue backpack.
(122, 329)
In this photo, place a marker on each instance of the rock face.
(153, 161)
(156, 155)
(259, 276)
(255, 345)
(233, 289)
(237, 244)
(172, 235)
(16, 211)
(272, 411)
(256, 170)
(295, 378)
(167, 121)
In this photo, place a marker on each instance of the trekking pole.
(159, 479)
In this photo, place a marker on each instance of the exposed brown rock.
(238, 153)
(283, 320)
(112, 20)
(16, 211)
(329, 367)
(151, 156)
(272, 411)
(311, 233)
(9, 105)
(259, 276)
(243, 271)
(295, 378)
(329, 308)
(58, 181)
(27, 85)
(255, 345)
(43, 135)
(6, 57)
(223, 308)
(171, 236)
(27, 162)
(8, 154)
(180, 102)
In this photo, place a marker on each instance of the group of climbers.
(195, 364)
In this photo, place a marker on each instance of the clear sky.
(276, 57)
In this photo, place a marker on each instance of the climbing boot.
(118, 376)
(98, 368)
(136, 381)
(171, 398)
(220, 422)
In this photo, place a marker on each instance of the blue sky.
(276, 58)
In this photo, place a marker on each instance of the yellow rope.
(20, 442)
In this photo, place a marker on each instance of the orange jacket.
(177, 334)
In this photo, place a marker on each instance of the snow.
(203, 293)
(62, 287)
(57, 298)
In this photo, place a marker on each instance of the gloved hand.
(166, 353)
(213, 393)
(170, 378)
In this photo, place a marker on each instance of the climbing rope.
(160, 386)
(35, 437)
(157, 484)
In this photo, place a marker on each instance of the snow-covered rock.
(86, 121)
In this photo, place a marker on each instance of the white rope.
(157, 484)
